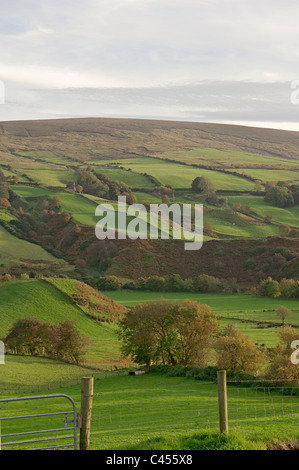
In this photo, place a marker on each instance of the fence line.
(136, 412)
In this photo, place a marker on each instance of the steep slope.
(91, 301)
(36, 298)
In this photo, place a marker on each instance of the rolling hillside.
(41, 160)
(40, 299)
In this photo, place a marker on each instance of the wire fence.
(132, 410)
(125, 418)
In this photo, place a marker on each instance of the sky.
(225, 61)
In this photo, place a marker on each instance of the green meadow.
(265, 175)
(13, 248)
(36, 298)
(52, 177)
(244, 311)
(227, 158)
(289, 216)
(181, 176)
(154, 411)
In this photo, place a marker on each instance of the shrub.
(269, 288)
(236, 352)
(109, 283)
(205, 283)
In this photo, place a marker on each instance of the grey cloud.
(193, 59)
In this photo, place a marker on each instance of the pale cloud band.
(211, 60)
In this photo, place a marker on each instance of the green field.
(31, 191)
(51, 177)
(154, 411)
(233, 309)
(289, 216)
(132, 179)
(13, 248)
(227, 158)
(27, 374)
(181, 176)
(231, 224)
(290, 176)
(45, 155)
(36, 298)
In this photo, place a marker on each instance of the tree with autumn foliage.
(281, 368)
(4, 203)
(236, 352)
(168, 332)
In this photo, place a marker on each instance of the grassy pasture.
(229, 305)
(227, 158)
(19, 299)
(181, 176)
(27, 374)
(132, 179)
(46, 155)
(52, 177)
(289, 216)
(154, 411)
(235, 309)
(13, 248)
(32, 191)
(290, 176)
(238, 226)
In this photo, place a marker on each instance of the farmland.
(51, 263)
(159, 412)
(12, 249)
(38, 299)
(246, 312)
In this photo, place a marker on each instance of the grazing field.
(12, 249)
(32, 191)
(154, 411)
(52, 177)
(272, 174)
(181, 176)
(229, 224)
(38, 299)
(131, 178)
(27, 374)
(289, 216)
(227, 304)
(82, 209)
(244, 311)
(45, 156)
(229, 158)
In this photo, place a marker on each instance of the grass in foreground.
(154, 411)
(201, 442)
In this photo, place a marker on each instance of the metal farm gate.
(57, 434)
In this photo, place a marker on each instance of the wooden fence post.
(222, 400)
(85, 415)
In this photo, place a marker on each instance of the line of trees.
(34, 337)
(100, 185)
(282, 194)
(171, 283)
(287, 288)
(187, 333)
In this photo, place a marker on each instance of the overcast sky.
(228, 61)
